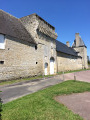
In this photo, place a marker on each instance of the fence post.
(75, 76)
(63, 75)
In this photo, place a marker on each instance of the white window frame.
(2, 41)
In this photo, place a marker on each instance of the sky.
(67, 16)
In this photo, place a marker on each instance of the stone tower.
(45, 36)
(81, 49)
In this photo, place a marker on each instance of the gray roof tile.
(60, 47)
(10, 25)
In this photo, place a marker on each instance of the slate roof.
(81, 43)
(10, 25)
(60, 47)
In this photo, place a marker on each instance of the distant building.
(81, 49)
(28, 47)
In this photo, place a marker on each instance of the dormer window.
(2, 41)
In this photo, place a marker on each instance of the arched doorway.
(45, 69)
(51, 65)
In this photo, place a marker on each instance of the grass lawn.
(42, 106)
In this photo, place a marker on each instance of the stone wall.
(49, 50)
(44, 35)
(68, 62)
(20, 59)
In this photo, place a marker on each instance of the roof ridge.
(9, 14)
(61, 47)
(63, 43)
(39, 18)
(12, 20)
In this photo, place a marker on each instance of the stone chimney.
(68, 44)
(77, 39)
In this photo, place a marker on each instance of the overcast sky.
(67, 16)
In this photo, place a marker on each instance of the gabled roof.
(10, 25)
(60, 47)
(81, 43)
(34, 14)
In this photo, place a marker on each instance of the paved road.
(14, 91)
(79, 103)
(81, 76)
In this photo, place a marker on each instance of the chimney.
(77, 39)
(68, 44)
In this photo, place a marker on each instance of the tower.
(81, 49)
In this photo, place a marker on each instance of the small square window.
(1, 62)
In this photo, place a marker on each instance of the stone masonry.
(44, 34)
(20, 60)
(31, 49)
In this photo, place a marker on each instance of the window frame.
(4, 43)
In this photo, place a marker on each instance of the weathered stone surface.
(23, 59)
(20, 59)
(83, 53)
(68, 62)
(45, 37)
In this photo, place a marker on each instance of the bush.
(0, 108)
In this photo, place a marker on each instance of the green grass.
(22, 79)
(0, 107)
(37, 77)
(42, 106)
(74, 71)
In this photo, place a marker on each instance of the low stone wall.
(67, 62)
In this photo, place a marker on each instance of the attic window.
(1, 62)
(35, 47)
(2, 41)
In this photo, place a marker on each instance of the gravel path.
(79, 103)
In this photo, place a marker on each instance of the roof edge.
(34, 14)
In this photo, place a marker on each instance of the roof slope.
(81, 43)
(10, 25)
(34, 14)
(60, 47)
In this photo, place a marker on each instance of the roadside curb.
(29, 81)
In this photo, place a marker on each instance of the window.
(2, 41)
(51, 44)
(45, 50)
(36, 62)
(35, 47)
(1, 62)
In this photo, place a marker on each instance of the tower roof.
(81, 43)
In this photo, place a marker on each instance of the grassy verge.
(0, 107)
(73, 71)
(42, 106)
(22, 79)
(37, 77)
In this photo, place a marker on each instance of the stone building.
(67, 58)
(45, 37)
(28, 47)
(81, 49)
